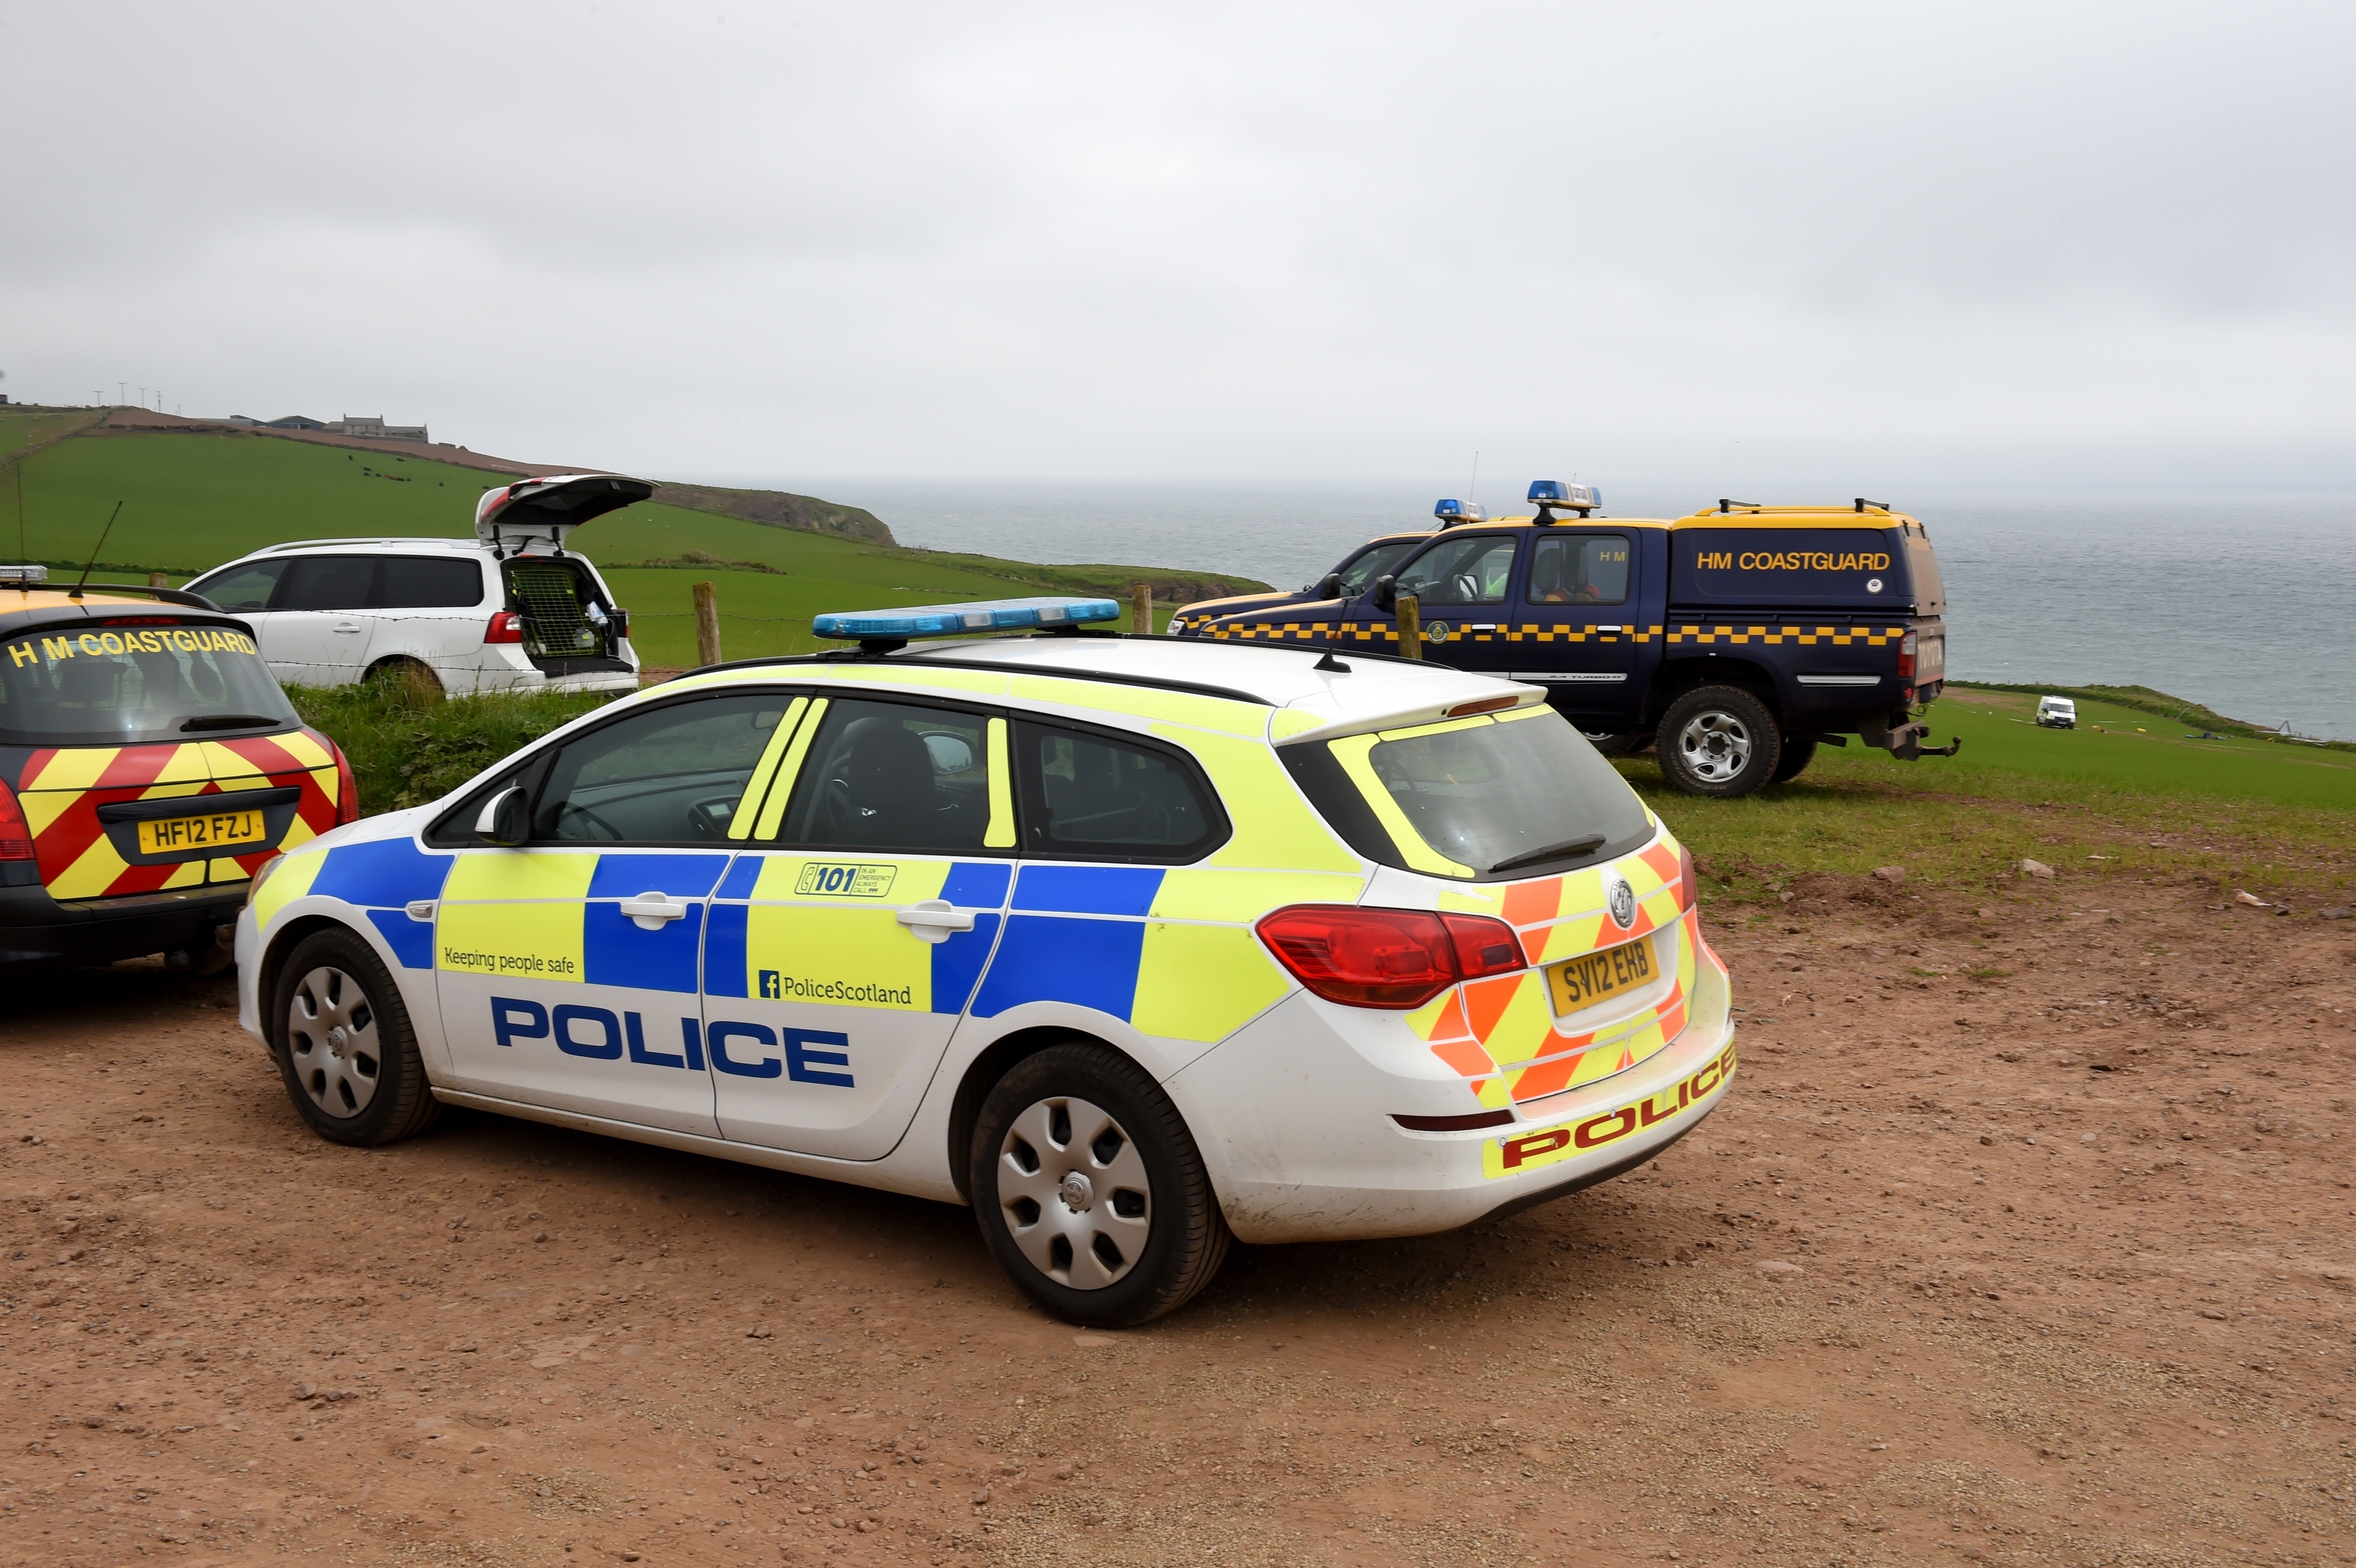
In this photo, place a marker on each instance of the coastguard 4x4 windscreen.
(1487, 798)
(132, 679)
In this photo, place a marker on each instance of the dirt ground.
(2053, 1263)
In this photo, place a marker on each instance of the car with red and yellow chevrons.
(149, 764)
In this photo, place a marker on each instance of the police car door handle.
(934, 920)
(652, 912)
(348, 627)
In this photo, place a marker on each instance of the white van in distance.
(511, 609)
(2057, 714)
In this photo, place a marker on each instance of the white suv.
(508, 610)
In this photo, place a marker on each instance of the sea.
(2245, 604)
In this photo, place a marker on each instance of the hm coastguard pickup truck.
(1738, 639)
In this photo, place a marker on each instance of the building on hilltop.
(296, 421)
(376, 429)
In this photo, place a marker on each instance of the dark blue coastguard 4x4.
(1736, 640)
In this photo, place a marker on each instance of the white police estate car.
(1136, 944)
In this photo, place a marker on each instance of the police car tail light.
(16, 838)
(347, 790)
(506, 626)
(1396, 958)
(1906, 657)
(1688, 888)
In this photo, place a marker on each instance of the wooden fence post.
(707, 623)
(1410, 628)
(1141, 608)
(159, 580)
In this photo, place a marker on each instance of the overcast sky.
(1982, 245)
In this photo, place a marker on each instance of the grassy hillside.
(194, 500)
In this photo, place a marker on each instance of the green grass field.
(2130, 797)
(194, 500)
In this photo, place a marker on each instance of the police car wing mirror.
(950, 754)
(1329, 586)
(1386, 592)
(506, 818)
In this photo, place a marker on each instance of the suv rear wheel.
(1090, 1191)
(1719, 741)
(343, 1043)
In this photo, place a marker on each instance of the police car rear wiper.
(1568, 847)
(227, 721)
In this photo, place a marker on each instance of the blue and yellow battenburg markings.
(796, 928)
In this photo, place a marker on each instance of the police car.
(1736, 640)
(1136, 944)
(148, 765)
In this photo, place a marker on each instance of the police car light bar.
(1451, 513)
(1553, 494)
(24, 574)
(956, 620)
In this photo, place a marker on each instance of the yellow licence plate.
(1599, 977)
(172, 835)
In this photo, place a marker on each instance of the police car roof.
(1361, 692)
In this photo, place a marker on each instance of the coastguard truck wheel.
(1719, 741)
(344, 1045)
(1090, 1191)
(1797, 755)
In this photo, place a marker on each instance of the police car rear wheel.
(1090, 1190)
(344, 1044)
(1719, 741)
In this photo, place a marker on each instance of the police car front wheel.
(1090, 1190)
(344, 1045)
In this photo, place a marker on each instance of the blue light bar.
(1449, 512)
(954, 620)
(1554, 492)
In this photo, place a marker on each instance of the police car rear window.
(1479, 799)
(121, 684)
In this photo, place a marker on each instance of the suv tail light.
(1906, 657)
(1397, 958)
(1688, 892)
(506, 626)
(15, 838)
(348, 789)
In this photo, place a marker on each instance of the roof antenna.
(75, 592)
(1472, 491)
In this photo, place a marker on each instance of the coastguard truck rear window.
(140, 679)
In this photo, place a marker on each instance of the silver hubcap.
(331, 1036)
(1074, 1193)
(1715, 746)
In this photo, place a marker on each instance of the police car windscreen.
(1495, 793)
(1522, 796)
(146, 682)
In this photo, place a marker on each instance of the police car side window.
(1097, 796)
(1580, 568)
(894, 775)
(1475, 570)
(669, 775)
